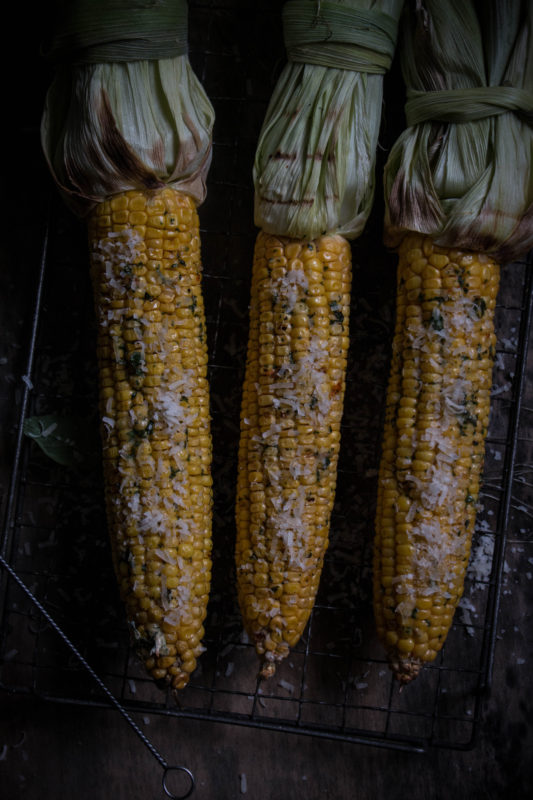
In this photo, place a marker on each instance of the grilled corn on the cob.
(146, 270)
(290, 433)
(437, 415)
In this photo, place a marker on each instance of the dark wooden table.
(71, 745)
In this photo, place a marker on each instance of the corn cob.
(437, 413)
(290, 433)
(146, 272)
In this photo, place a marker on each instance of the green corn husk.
(314, 165)
(465, 176)
(129, 122)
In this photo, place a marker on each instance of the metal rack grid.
(336, 683)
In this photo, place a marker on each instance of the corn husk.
(126, 124)
(315, 158)
(465, 177)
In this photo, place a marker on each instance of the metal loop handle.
(167, 790)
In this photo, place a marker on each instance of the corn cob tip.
(269, 658)
(268, 670)
(405, 671)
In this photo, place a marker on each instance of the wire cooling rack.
(336, 683)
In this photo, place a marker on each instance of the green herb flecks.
(436, 321)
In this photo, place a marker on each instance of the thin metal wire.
(510, 466)
(9, 514)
